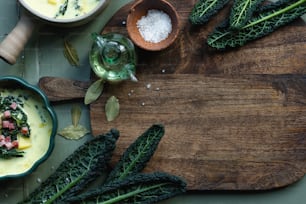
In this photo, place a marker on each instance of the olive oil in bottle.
(113, 57)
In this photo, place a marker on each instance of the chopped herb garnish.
(62, 9)
(13, 125)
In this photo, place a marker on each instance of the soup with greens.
(25, 130)
(62, 9)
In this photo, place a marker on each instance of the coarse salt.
(155, 26)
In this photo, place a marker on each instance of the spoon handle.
(60, 89)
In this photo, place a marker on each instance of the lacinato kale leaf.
(83, 166)
(203, 10)
(137, 189)
(242, 11)
(136, 156)
(258, 26)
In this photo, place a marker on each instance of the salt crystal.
(148, 86)
(155, 26)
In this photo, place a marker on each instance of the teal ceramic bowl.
(28, 127)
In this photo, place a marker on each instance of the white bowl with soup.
(66, 13)
(62, 11)
(28, 125)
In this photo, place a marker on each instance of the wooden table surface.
(263, 77)
(235, 120)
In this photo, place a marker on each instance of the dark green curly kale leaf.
(83, 166)
(242, 11)
(137, 155)
(140, 188)
(258, 26)
(203, 10)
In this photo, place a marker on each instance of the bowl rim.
(85, 17)
(53, 116)
(174, 33)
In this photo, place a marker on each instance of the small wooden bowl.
(140, 9)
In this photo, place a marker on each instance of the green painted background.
(43, 56)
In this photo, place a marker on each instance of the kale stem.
(221, 36)
(130, 194)
(240, 14)
(139, 155)
(62, 191)
(67, 187)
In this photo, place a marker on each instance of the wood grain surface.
(234, 120)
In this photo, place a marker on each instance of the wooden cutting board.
(234, 120)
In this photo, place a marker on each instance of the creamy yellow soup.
(62, 9)
(40, 123)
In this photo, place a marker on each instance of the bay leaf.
(112, 108)
(74, 132)
(71, 54)
(76, 112)
(94, 91)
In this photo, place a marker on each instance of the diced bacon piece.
(2, 143)
(11, 126)
(7, 114)
(24, 130)
(15, 143)
(5, 124)
(9, 145)
(13, 105)
(8, 139)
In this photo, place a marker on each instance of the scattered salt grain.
(155, 26)
(130, 93)
(38, 180)
(148, 86)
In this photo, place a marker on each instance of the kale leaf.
(125, 182)
(83, 166)
(267, 21)
(140, 188)
(136, 156)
